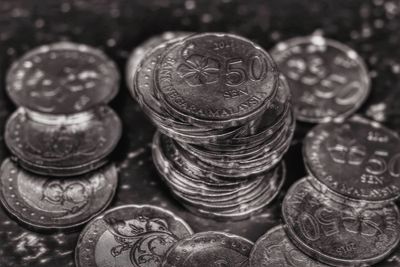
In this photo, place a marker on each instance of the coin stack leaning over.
(343, 214)
(60, 136)
(224, 121)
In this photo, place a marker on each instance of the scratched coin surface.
(329, 80)
(66, 148)
(209, 249)
(338, 233)
(275, 249)
(358, 159)
(216, 79)
(130, 235)
(62, 78)
(50, 203)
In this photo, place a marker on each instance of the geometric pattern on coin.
(339, 233)
(48, 203)
(63, 149)
(130, 235)
(358, 159)
(275, 249)
(62, 78)
(328, 79)
(214, 79)
(209, 249)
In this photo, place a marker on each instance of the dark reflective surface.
(369, 27)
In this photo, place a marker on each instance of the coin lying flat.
(140, 51)
(275, 249)
(130, 235)
(63, 149)
(218, 80)
(339, 233)
(358, 159)
(62, 78)
(209, 249)
(48, 203)
(329, 80)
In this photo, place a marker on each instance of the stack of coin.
(224, 118)
(343, 213)
(60, 136)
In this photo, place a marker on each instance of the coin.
(62, 78)
(209, 249)
(49, 203)
(140, 51)
(130, 235)
(62, 149)
(218, 80)
(358, 159)
(329, 80)
(339, 233)
(275, 249)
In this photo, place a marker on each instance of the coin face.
(63, 149)
(339, 233)
(358, 159)
(216, 79)
(209, 249)
(62, 78)
(275, 249)
(139, 52)
(329, 80)
(50, 203)
(130, 235)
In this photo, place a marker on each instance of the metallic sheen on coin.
(275, 249)
(49, 203)
(209, 249)
(130, 235)
(328, 79)
(216, 79)
(358, 159)
(62, 78)
(339, 233)
(63, 149)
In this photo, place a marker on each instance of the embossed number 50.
(236, 74)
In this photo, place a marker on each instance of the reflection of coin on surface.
(51, 203)
(63, 149)
(130, 235)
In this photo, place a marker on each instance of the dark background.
(371, 27)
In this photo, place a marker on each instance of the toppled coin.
(216, 80)
(47, 203)
(275, 249)
(62, 149)
(130, 235)
(358, 159)
(339, 233)
(209, 249)
(62, 78)
(329, 80)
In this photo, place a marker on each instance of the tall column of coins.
(60, 136)
(224, 120)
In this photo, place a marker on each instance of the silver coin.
(218, 80)
(339, 233)
(209, 249)
(329, 80)
(48, 203)
(131, 235)
(275, 249)
(358, 159)
(62, 78)
(63, 149)
(140, 51)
